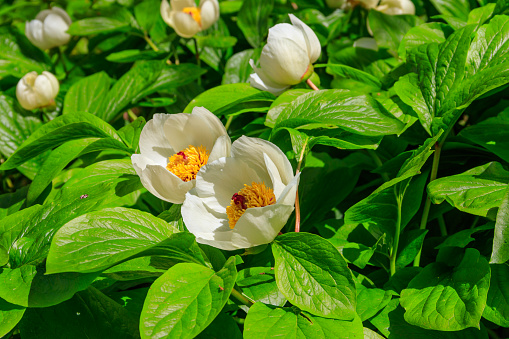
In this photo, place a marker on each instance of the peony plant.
(36, 91)
(187, 19)
(49, 28)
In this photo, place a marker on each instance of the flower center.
(194, 12)
(186, 163)
(256, 195)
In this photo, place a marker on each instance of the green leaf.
(389, 30)
(482, 14)
(263, 321)
(371, 300)
(89, 314)
(455, 8)
(15, 128)
(88, 94)
(497, 304)
(59, 130)
(500, 252)
(185, 300)
(253, 20)
(15, 284)
(478, 191)
(281, 102)
(463, 237)
(223, 326)
(353, 73)
(223, 42)
(351, 111)
(259, 284)
(98, 240)
(144, 13)
(131, 55)
(10, 315)
(448, 298)
(407, 88)
(138, 78)
(492, 134)
(424, 34)
(237, 67)
(97, 25)
(313, 275)
(130, 134)
(232, 99)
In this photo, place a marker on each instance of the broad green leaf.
(497, 304)
(15, 284)
(259, 284)
(410, 244)
(500, 252)
(10, 315)
(353, 73)
(12, 202)
(407, 88)
(455, 8)
(371, 300)
(424, 34)
(351, 111)
(370, 334)
(253, 20)
(144, 13)
(223, 326)
(88, 94)
(464, 237)
(15, 128)
(237, 67)
(482, 14)
(313, 275)
(185, 300)
(232, 99)
(223, 42)
(130, 134)
(171, 76)
(59, 130)
(98, 240)
(263, 321)
(281, 102)
(89, 314)
(478, 191)
(389, 30)
(142, 75)
(97, 25)
(448, 298)
(492, 134)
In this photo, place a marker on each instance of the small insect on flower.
(84, 196)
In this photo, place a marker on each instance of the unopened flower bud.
(34, 91)
(396, 7)
(49, 29)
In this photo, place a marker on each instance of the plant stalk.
(198, 61)
(228, 122)
(395, 244)
(427, 205)
(311, 84)
(151, 43)
(297, 204)
(242, 298)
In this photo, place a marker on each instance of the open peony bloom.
(242, 201)
(34, 91)
(287, 57)
(187, 19)
(396, 7)
(174, 147)
(49, 29)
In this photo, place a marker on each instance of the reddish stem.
(312, 85)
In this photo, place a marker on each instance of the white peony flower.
(173, 149)
(244, 200)
(396, 7)
(287, 57)
(34, 91)
(49, 29)
(337, 3)
(187, 19)
(368, 4)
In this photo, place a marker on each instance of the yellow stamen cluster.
(256, 195)
(194, 12)
(186, 164)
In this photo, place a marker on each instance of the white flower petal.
(153, 143)
(179, 5)
(44, 90)
(55, 30)
(200, 128)
(287, 197)
(165, 12)
(313, 44)
(63, 14)
(184, 24)
(222, 148)
(261, 81)
(36, 34)
(252, 150)
(164, 184)
(209, 13)
(260, 225)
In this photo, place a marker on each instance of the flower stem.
(151, 43)
(198, 61)
(228, 122)
(297, 205)
(131, 114)
(242, 298)
(441, 223)
(378, 163)
(395, 244)
(427, 205)
(311, 84)
(61, 59)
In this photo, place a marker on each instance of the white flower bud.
(287, 57)
(187, 19)
(49, 29)
(34, 91)
(336, 3)
(396, 7)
